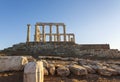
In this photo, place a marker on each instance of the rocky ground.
(67, 62)
(80, 70)
(69, 69)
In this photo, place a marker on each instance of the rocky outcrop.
(78, 70)
(107, 72)
(51, 69)
(80, 67)
(45, 71)
(89, 69)
(63, 71)
(63, 68)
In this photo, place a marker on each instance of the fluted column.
(50, 38)
(43, 32)
(57, 27)
(64, 31)
(28, 32)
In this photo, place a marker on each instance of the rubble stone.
(63, 71)
(78, 70)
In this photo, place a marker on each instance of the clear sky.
(92, 21)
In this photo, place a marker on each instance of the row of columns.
(69, 38)
(41, 37)
(57, 32)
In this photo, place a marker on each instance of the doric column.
(69, 38)
(43, 32)
(57, 27)
(59, 37)
(28, 33)
(64, 32)
(73, 37)
(50, 37)
(37, 34)
(54, 38)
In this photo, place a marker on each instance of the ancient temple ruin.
(41, 34)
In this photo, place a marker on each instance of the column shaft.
(28, 33)
(37, 34)
(57, 27)
(43, 33)
(50, 37)
(64, 31)
(74, 38)
(54, 38)
(69, 38)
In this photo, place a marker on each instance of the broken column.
(12, 63)
(33, 72)
(28, 32)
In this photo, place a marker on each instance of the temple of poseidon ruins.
(40, 34)
(54, 56)
(52, 39)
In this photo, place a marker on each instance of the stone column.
(37, 34)
(57, 27)
(69, 38)
(28, 33)
(64, 32)
(74, 38)
(50, 37)
(43, 33)
(54, 38)
(59, 37)
(34, 72)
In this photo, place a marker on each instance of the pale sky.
(92, 21)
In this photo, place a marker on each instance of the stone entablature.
(53, 37)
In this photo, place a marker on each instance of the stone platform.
(54, 48)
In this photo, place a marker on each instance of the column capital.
(36, 25)
(64, 25)
(50, 25)
(43, 25)
(57, 25)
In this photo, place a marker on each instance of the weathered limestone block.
(45, 63)
(78, 70)
(82, 62)
(63, 71)
(12, 63)
(51, 69)
(89, 69)
(116, 67)
(96, 66)
(33, 72)
(45, 71)
(107, 71)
